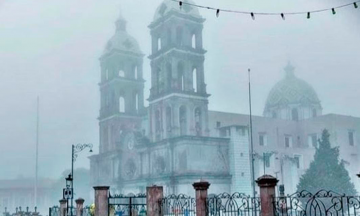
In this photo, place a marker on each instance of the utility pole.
(37, 152)
(251, 143)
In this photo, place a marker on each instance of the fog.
(51, 49)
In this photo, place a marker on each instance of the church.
(176, 140)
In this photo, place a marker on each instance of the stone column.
(267, 184)
(201, 191)
(63, 207)
(79, 206)
(101, 201)
(154, 195)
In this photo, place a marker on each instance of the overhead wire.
(282, 14)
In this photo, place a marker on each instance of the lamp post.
(75, 150)
(68, 192)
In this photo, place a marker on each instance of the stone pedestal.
(101, 201)
(154, 195)
(201, 192)
(63, 207)
(79, 206)
(267, 184)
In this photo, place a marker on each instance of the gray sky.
(51, 49)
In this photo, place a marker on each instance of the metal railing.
(321, 203)
(176, 205)
(236, 204)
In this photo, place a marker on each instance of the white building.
(176, 140)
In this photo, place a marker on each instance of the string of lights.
(252, 14)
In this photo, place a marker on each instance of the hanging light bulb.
(282, 16)
(355, 5)
(217, 12)
(308, 15)
(333, 11)
(252, 15)
(180, 4)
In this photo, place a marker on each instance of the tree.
(326, 171)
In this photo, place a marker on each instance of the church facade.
(176, 140)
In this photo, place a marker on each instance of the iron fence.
(54, 211)
(177, 205)
(236, 204)
(321, 203)
(22, 212)
(87, 211)
(131, 205)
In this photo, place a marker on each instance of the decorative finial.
(120, 23)
(289, 69)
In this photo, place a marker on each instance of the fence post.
(63, 207)
(101, 201)
(79, 206)
(267, 184)
(201, 191)
(154, 194)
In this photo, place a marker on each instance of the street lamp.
(68, 181)
(68, 192)
(75, 149)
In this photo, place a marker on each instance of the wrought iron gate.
(131, 205)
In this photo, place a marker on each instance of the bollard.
(79, 206)
(267, 184)
(63, 207)
(101, 200)
(154, 196)
(201, 191)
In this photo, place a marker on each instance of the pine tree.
(326, 171)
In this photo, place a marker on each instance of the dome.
(169, 5)
(122, 41)
(291, 91)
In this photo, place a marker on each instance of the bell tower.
(178, 102)
(121, 88)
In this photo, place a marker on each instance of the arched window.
(198, 121)
(295, 114)
(136, 72)
(159, 43)
(106, 74)
(169, 75)
(107, 101)
(182, 120)
(159, 80)
(314, 113)
(121, 104)
(195, 80)
(168, 37)
(168, 119)
(181, 80)
(193, 41)
(157, 124)
(106, 139)
(137, 102)
(179, 36)
(121, 73)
